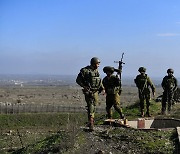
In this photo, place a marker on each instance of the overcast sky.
(61, 36)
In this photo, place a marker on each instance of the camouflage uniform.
(143, 82)
(89, 79)
(169, 84)
(112, 85)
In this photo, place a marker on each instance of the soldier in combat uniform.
(169, 85)
(143, 82)
(112, 85)
(89, 79)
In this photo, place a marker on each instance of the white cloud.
(168, 34)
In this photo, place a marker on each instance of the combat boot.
(163, 111)
(109, 113)
(142, 113)
(169, 108)
(91, 124)
(88, 123)
(109, 116)
(122, 116)
(119, 110)
(169, 111)
(147, 112)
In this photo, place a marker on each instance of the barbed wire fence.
(10, 108)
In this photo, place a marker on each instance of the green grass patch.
(57, 143)
(133, 111)
(153, 141)
(32, 128)
(40, 120)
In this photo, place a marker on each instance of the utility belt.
(112, 90)
(91, 91)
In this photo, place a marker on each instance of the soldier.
(143, 82)
(112, 85)
(169, 85)
(89, 79)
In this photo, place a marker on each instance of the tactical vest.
(141, 81)
(170, 83)
(93, 79)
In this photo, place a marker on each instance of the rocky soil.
(106, 140)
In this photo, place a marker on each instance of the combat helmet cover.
(142, 69)
(170, 70)
(108, 69)
(94, 60)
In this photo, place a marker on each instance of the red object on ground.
(141, 123)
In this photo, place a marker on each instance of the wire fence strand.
(40, 108)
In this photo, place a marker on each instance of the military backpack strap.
(145, 84)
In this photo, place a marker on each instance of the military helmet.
(108, 69)
(170, 70)
(142, 69)
(95, 60)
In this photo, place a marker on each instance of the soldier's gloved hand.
(100, 90)
(85, 89)
(119, 92)
(103, 92)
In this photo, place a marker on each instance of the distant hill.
(57, 80)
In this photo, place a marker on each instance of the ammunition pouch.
(113, 90)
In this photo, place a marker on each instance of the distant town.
(55, 80)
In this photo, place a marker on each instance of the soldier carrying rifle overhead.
(89, 79)
(144, 83)
(112, 85)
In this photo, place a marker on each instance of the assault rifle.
(119, 70)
